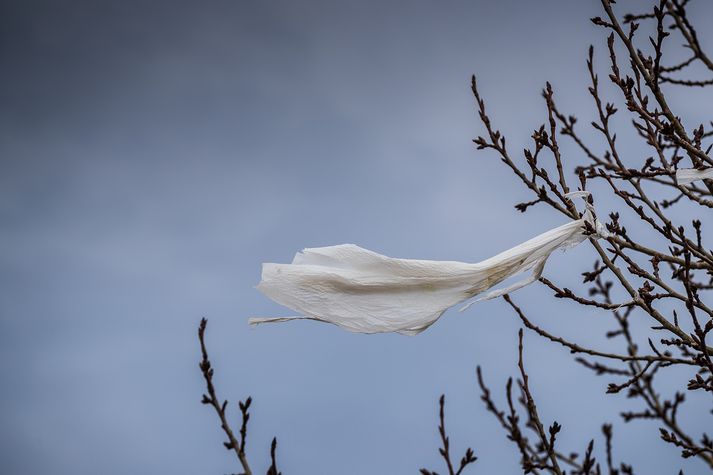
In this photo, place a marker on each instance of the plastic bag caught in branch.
(689, 175)
(365, 292)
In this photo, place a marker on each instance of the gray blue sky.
(153, 154)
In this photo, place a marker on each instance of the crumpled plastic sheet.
(689, 175)
(365, 292)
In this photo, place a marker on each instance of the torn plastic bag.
(365, 292)
(689, 175)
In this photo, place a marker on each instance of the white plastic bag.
(365, 292)
(688, 175)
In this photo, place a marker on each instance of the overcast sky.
(153, 154)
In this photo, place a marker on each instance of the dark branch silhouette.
(466, 460)
(211, 399)
(651, 277)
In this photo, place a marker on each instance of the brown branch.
(575, 348)
(548, 443)
(444, 451)
(212, 399)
